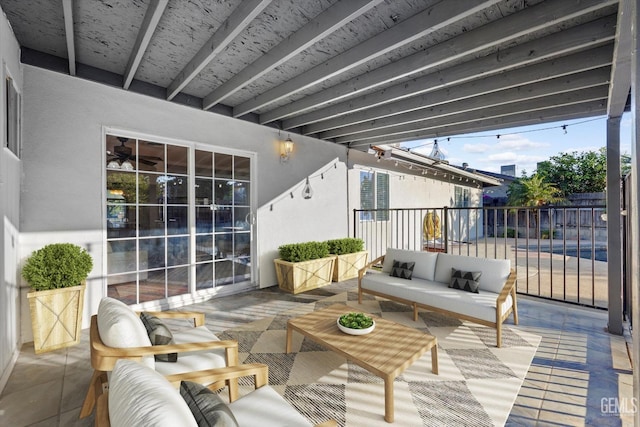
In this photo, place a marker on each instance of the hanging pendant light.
(307, 191)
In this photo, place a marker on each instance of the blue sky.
(525, 146)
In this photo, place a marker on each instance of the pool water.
(585, 252)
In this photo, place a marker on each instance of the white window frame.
(376, 194)
(12, 134)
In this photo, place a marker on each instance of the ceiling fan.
(123, 153)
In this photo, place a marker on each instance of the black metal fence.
(558, 252)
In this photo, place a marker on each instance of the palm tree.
(533, 192)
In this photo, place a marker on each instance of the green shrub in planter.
(297, 252)
(58, 265)
(348, 245)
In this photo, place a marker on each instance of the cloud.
(506, 142)
(519, 143)
(476, 148)
(510, 156)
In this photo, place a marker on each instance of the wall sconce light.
(286, 148)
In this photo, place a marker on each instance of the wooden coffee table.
(386, 352)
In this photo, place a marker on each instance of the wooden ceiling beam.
(576, 111)
(502, 30)
(506, 109)
(621, 72)
(318, 28)
(570, 72)
(421, 24)
(566, 42)
(67, 10)
(149, 24)
(579, 81)
(239, 19)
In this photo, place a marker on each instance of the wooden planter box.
(347, 265)
(56, 317)
(296, 277)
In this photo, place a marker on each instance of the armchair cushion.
(159, 334)
(139, 396)
(194, 360)
(120, 327)
(265, 407)
(207, 407)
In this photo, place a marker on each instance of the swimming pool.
(572, 251)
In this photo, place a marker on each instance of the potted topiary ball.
(57, 274)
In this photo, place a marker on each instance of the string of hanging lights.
(307, 190)
(563, 127)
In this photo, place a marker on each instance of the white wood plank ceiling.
(354, 72)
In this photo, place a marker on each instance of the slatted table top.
(385, 352)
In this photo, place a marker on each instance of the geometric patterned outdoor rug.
(476, 385)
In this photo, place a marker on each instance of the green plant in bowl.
(356, 321)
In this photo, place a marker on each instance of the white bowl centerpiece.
(356, 324)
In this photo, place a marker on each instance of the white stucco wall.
(409, 189)
(9, 213)
(63, 167)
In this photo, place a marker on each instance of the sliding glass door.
(178, 219)
(223, 219)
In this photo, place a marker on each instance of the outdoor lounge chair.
(139, 395)
(117, 332)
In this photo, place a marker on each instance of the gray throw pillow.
(465, 280)
(403, 270)
(159, 334)
(206, 406)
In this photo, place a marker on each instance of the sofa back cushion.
(425, 262)
(139, 396)
(494, 271)
(120, 327)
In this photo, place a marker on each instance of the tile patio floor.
(579, 371)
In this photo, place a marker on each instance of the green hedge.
(297, 252)
(348, 245)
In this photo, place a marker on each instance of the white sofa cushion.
(196, 360)
(494, 271)
(120, 327)
(437, 294)
(139, 396)
(425, 262)
(264, 407)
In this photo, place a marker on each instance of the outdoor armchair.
(138, 394)
(117, 332)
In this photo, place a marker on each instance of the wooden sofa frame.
(103, 357)
(509, 288)
(218, 377)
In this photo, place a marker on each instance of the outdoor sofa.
(425, 281)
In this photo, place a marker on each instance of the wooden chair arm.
(221, 376)
(364, 269)
(507, 288)
(165, 349)
(198, 317)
